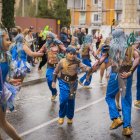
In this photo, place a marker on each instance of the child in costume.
(67, 71)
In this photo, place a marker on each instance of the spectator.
(99, 38)
(64, 36)
(82, 35)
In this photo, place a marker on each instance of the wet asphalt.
(35, 116)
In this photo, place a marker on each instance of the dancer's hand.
(16, 82)
(53, 85)
(125, 75)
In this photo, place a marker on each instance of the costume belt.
(85, 56)
(124, 68)
(68, 78)
(51, 65)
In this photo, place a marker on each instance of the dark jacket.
(63, 38)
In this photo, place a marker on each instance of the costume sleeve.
(56, 71)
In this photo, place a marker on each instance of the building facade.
(93, 14)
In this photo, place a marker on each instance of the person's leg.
(49, 77)
(88, 63)
(102, 69)
(126, 99)
(82, 79)
(7, 127)
(137, 102)
(70, 108)
(118, 101)
(138, 84)
(112, 90)
(63, 99)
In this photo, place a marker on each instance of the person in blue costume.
(124, 61)
(67, 73)
(19, 52)
(53, 49)
(86, 49)
(4, 101)
(101, 49)
(137, 101)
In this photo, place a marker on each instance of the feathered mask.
(119, 44)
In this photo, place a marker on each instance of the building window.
(83, 4)
(95, 1)
(82, 19)
(96, 17)
(118, 17)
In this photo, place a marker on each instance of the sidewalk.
(35, 77)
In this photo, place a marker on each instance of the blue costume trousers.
(87, 62)
(138, 83)
(126, 99)
(49, 77)
(67, 104)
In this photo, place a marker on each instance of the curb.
(33, 82)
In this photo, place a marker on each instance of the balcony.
(96, 23)
(82, 22)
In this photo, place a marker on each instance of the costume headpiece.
(88, 39)
(118, 45)
(71, 50)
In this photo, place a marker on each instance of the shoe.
(137, 104)
(69, 121)
(53, 98)
(61, 121)
(127, 131)
(116, 123)
(80, 83)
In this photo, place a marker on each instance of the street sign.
(74, 4)
(58, 22)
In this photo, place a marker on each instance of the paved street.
(35, 116)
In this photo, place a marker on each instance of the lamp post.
(73, 13)
(23, 5)
(36, 10)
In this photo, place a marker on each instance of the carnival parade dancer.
(54, 50)
(6, 102)
(74, 44)
(103, 47)
(106, 64)
(66, 71)
(121, 54)
(86, 50)
(19, 52)
(137, 102)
